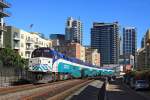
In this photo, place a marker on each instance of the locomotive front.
(40, 64)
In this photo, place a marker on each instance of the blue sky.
(49, 16)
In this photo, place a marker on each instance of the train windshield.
(42, 53)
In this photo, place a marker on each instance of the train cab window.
(42, 53)
(47, 53)
(36, 53)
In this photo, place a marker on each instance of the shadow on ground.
(118, 91)
(92, 92)
(89, 93)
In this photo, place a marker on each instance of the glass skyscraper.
(105, 38)
(129, 42)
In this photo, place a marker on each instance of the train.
(47, 65)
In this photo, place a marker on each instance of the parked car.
(132, 83)
(141, 84)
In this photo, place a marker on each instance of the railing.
(5, 2)
(29, 41)
(16, 37)
(36, 43)
(3, 28)
(1, 46)
(16, 46)
(30, 48)
(7, 13)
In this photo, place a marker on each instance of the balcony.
(36, 43)
(16, 46)
(28, 55)
(29, 41)
(3, 28)
(4, 3)
(16, 38)
(1, 45)
(4, 13)
(29, 49)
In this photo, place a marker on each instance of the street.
(116, 90)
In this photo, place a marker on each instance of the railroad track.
(30, 91)
(25, 87)
(13, 89)
(66, 93)
(58, 92)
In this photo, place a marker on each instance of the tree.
(6, 56)
(11, 58)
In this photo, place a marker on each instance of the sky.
(49, 16)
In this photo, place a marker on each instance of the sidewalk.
(117, 91)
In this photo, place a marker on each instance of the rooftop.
(104, 24)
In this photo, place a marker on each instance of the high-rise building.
(105, 38)
(3, 13)
(121, 45)
(147, 48)
(141, 58)
(57, 39)
(57, 36)
(143, 42)
(92, 56)
(73, 30)
(129, 42)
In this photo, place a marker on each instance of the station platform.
(92, 91)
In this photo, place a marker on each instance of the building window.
(28, 38)
(22, 45)
(28, 55)
(21, 53)
(22, 36)
(16, 35)
(36, 39)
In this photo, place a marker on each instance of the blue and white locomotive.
(47, 64)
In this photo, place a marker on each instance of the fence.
(11, 75)
(102, 92)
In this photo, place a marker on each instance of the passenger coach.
(48, 65)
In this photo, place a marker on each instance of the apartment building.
(73, 30)
(141, 58)
(3, 13)
(147, 48)
(75, 50)
(24, 42)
